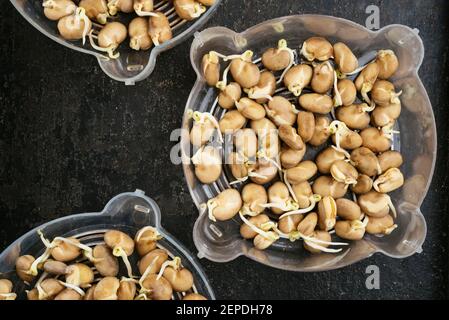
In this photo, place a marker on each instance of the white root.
(266, 235)
(146, 273)
(366, 88)
(211, 205)
(175, 264)
(119, 252)
(358, 70)
(391, 205)
(337, 99)
(73, 287)
(246, 211)
(109, 50)
(224, 82)
(321, 248)
(261, 154)
(313, 201)
(289, 187)
(157, 235)
(282, 45)
(288, 205)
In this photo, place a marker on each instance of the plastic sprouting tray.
(132, 66)
(417, 141)
(127, 212)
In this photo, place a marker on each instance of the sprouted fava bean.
(78, 282)
(159, 29)
(96, 10)
(57, 9)
(328, 88)
(138, 34)
(229, 95)
(306, 125)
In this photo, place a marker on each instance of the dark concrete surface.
(71, 139)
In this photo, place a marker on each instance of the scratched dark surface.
(71, 139)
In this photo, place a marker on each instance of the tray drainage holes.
(141, 209)
(216, 230)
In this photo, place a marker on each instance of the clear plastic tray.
(417, 141)
(127, 212)
(132, 66)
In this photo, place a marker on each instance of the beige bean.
(278, 193)
(345, 59)
(308, 224)
(316, 103)
(208, 164)
(188, 9)
(323, 77)
(365, 81)
(297, 78)
(350, 230)
(159, 29)
(326, 158)
(384, 93)
(385, 115)
(388, 63)
(246, 142)
(226, 204)
(57, 9)
(265, 169)
(229, 95)
(138, 34)
(321, 134)
(344, 172)
(250, 109)
(303, 193)
(232, 121)
(291, 158)
(349, 140)
(281, 111)
(264, 89)
(375, 140)
(317, 48)
(390, 159)
(306, 125)
(302, 172)
(365, 161)
(253, 195)
(275, 59)
(354, 116)
(389, 181)
(364, 185)
(289, 136)
(374, 204)
(327, 186)
(290, 224)
(210, 65)
(244, 72)
(384, 225)
(327, 213)
(348, 210)
(348, 91)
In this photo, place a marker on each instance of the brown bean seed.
(306, 125)
(316, 103)
(327, 186)
(348, 210)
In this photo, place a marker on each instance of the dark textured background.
(71, 139)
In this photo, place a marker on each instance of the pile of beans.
(278, 107)
(70, 270)
(75, 21)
